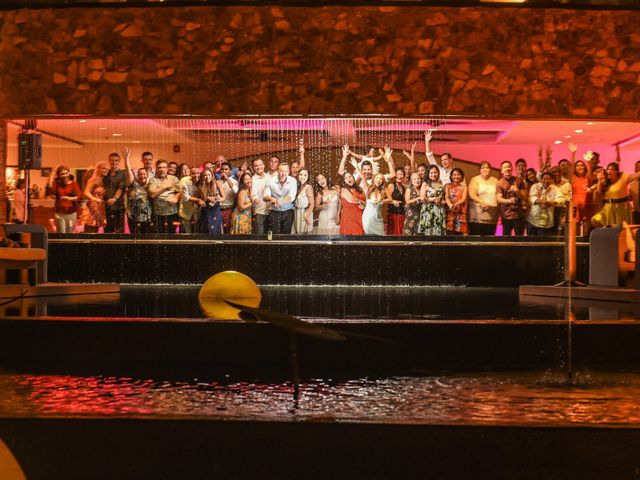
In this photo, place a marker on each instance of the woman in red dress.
(352, 203)
(456, 194)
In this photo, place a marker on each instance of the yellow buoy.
(229, 285)
(9, 466)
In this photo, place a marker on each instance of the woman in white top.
(483, 205)
(326, 204)
(303, 219)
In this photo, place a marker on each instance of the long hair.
(459, 170)
(316, 186)
(355, 186)
(95, 172)
(242, 184)
(208, 189)
(586, 169)
(60, 169)
(607, 182)
(526, 177)
(180, 168)
(373, 187)
(427, 178)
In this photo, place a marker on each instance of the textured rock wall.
(328, 60)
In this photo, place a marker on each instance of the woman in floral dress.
(456, 199)
(412, 205)
(432, 215)
(241, 216)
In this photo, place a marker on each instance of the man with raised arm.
(366, 167)
(446, 159)
(370, 157)
(299, 164)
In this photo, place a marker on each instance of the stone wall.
(328, 60)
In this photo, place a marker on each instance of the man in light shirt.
(544, 197)
(280, 193)
(164, 189)
(446, 159)
(261, 208)
(564, 187)
(190, 204)
(229, 191)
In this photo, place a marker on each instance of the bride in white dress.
(372, 215)
(327, 202)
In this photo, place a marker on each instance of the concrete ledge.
(613, 294)
(57, 289)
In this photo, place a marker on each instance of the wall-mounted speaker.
(30, 151)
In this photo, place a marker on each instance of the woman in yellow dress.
(241, 216)
(615, 188)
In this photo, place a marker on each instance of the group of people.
(427, 199)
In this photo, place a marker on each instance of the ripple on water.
(531, 398)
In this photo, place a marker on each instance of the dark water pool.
(510, 398)
(333, 302)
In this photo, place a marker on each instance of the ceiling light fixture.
(579, 131)
(557, 142)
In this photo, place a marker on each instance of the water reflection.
(584, 309)
(537, 398)
(348, 302)
(27, 306)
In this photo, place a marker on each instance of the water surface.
(511, 398)
(334, 302)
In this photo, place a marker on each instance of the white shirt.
(279, 191)
(445, 173)
(187, 209)
(541, 216)
(230, 193)
(257, 192)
